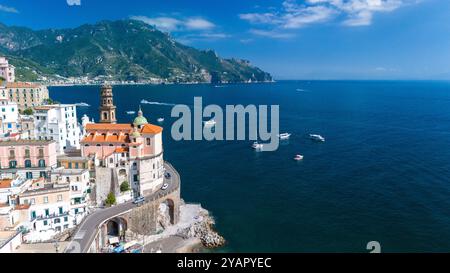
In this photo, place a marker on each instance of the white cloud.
(74, 2)
(163, 23)
(260, 18)
(8, 9)
(171, 24)
(293, 15)
(198, 23)
(302, 16)
(271, 33)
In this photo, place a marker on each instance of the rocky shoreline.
(204, 230)
(193, 233)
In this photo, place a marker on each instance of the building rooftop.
(151, 129)
(47, 188)
(108, 127)
(116, 133)
(5, 183)
(52, 106)
(72, 158)
(22, 85)
(32, 142)
(63, 171)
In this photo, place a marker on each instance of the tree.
(28, 112)
(110, 199)
(124, 187)
(49, 101)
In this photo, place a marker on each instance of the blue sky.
(303, 39)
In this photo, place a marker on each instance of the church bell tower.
(107, 108)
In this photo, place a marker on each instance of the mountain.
(121, 50)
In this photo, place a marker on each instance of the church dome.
(140, 119)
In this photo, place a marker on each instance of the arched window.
(41, 152)
(105, 115)
(28, 163)
(42, 163)
(27, 153)
(149, 141)
(12, 164)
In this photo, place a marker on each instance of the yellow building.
(26, 95)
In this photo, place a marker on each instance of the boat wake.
(302, 90)
(157, 103)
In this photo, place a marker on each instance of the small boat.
(284, 136)
(298, 157)
(257, 146)
(160, 120)
(317, 138)
(131, 112)
(210, 123)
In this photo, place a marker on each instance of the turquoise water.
(383, 174)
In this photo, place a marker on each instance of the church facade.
(130, 153)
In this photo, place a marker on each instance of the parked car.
(138, 200)
(165, 186)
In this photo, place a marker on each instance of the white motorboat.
(131, 112)
(257, 146)
(210, 123)
(317, 138)
(298, 157)
(160, 120)
(284, 136)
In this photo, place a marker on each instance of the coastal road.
(86, 232)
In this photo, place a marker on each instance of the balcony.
(51, 216)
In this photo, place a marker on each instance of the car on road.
(138, 200)
(167, 175)
(165, 186)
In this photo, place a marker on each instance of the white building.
(80, 188)
(7, 71)
(11, 187)
(58, 122)
(9, 116)
(47, 207)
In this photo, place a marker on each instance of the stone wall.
(145, 219)
(106, 181)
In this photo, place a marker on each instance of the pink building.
(28, 158)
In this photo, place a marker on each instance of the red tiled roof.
(121, 150)
(151, 129)
(22, 207)
(115, 133)
(107, 126)
(5, 183)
